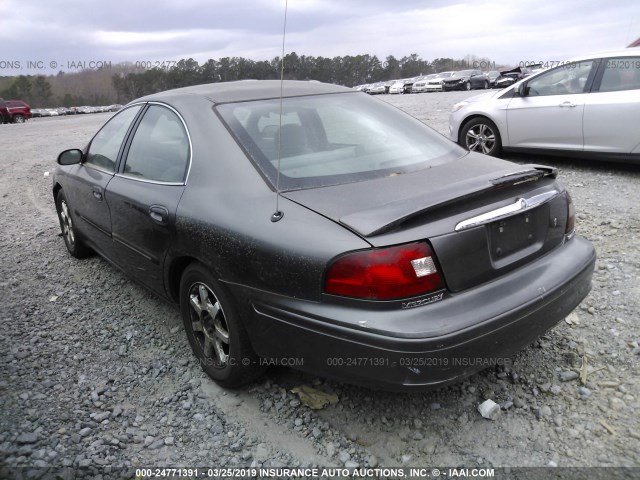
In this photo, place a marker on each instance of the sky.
(47, 36)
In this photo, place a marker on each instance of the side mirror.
(523, 90)
(70, 157)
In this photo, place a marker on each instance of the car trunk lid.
(434, 204)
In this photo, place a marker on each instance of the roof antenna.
(278, 214)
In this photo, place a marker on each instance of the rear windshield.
(333, 139)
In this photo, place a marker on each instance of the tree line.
(124, 82)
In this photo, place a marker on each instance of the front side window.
(566, 79)
(333, 139)
(621, 74)
(104, 148)
(159, 150)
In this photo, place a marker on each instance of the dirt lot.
(96, 373)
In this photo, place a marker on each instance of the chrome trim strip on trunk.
(520, 205)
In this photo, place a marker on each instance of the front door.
(550, 115)
(91, 177)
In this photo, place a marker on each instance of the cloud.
(119, 30)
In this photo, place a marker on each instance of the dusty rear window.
(333, 139)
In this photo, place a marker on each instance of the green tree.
(20, 89)
(41, 96)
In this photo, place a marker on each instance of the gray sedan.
(589, 107)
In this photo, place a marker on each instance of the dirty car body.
(398, 260)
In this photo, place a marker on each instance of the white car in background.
(435, 84)
(396, 87)
(589, 106)
(420, 85)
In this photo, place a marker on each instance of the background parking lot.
(95, 371)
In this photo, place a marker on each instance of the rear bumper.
(428, 346)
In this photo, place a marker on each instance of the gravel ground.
(97, 373)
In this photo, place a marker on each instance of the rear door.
(550, 116)
(87, 181)
(143, 197)
(612, 110)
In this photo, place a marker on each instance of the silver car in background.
(435, 84)
(589, 106)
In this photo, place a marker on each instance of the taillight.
(385, 274)
(571, 215)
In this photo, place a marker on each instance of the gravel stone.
(567, 376)
(344, 456)
(489, 409)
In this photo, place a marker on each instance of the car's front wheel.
(481, 135)
(467, 86)
(486, 84)
(74, 243)
(18, 118)
(214, 330)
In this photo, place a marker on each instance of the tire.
(482, 136)
(486, 85)
(214, 330)
(72, 240)
(18, 119)
(467, 86)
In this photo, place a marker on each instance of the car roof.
(246, 90)
(627, 52)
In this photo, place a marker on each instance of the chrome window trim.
(520, 205)
(189, 160)
(145, 180)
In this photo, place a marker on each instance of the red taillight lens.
(571, 215)
(385, 274)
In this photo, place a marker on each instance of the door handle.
(97, 193)
(568, 104)
(159, 214)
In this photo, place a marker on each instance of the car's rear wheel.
(214, 330)
(18, 118)
(481, 135)
(74, 243)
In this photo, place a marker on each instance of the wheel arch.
(56, 188)
(177, 267)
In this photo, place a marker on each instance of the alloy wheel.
(481, 138)
(67, 223)
(208, 323)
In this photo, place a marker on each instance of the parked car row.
(54, 112)
(447, 81)
(14, 111)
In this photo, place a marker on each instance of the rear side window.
(621, 74)
(159, 150)
(104, 148)
(333, 139)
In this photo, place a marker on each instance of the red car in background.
(14, 111)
